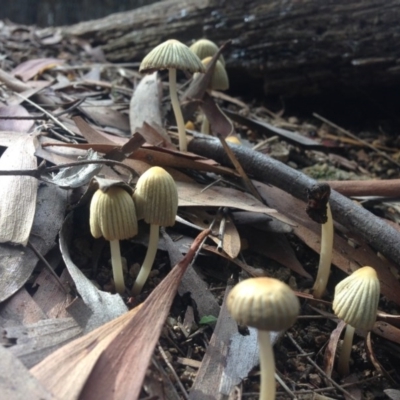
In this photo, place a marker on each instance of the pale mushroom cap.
(171, 54)
(112, 214)
(219, 79)
(156, 197)
(204, 48)
(356, 298)
(233, 139)
(263, 303)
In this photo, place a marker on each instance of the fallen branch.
(381, 236)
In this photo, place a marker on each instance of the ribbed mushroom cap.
(204, 48)
(219, 79)
(356, 298)
(156, 197)
(171, 54)
(112, 214)
(263, 303)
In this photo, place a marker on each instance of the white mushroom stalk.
(325, 258)
(173, 55)
(156, 199)
(268, 305)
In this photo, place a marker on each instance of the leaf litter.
(97, 108)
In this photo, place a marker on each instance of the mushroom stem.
(116, 263)
(267, 366)
(345, 351)
(177, 110)
(205, 125)
(325, 256)
(148, 260)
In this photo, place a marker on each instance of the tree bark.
(295, 46)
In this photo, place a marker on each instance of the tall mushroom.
(156, 199)
(319, 210)
(356, 303)
(173, 55)
(113, 215)
(268, 305)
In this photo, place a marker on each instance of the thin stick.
(47, 113)
(48, 266)
(169, 365)
(38, 172)
(337, 386)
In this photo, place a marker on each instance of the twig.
(312, 362)
(38, 172)
(284, 386)
(47, 113)
(356, 219)
(349, 134)
(48, 266)
(169, 365)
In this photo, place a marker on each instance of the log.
(294, 46)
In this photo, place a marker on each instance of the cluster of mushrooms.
(266, 304)
(114, 214)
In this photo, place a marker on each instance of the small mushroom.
(268, 305)
(356, 303)
(173, 55)
(113, 216)
(204, 48)
(156, 199)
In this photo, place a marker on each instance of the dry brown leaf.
(219, 122)
(193, 194)
(145, 109)
(16, 125)
(28, 69)
(330, 350)
(101, 364)
(387, 331)
(18, 193)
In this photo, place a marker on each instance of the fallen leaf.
(33, 67)
(35, 342)
(145, 109)
(331, 348)
(16, 125)
(16, 382)
(387, 331)
(92, 366)
(101, 307)
(193, 194)
(17, 262)
(73, 177)
(219, 122)
(18, 193)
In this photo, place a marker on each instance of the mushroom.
(219, 81)
(204, 48)
(156, 199)
(173, 55)
(319, 210)
(268, 305)
(113, 216)
(356, 303)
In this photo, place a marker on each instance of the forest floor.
(64, 98)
